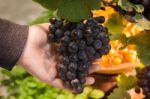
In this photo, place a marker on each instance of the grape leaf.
(48, 4)
(42, 19)
(73, 10)
(142, 22)
(126, 82)
(119, 93)
(114, 25)
(93, 4)
(143, 46)
(127, 6)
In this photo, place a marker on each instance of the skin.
(39, 59)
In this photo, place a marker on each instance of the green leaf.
(44, 18)
(141, 22)
(73, 10)
(126, 82)
(143, 46)
(48, 4)
(93, 4)
(119, 93)
(115, 24)
(127, 6)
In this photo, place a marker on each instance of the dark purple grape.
(59, 33)
(81, 44)
(73, 57)
(100, 19)
(65, 39)
(73, 47)
(62, 48)
(88, 31)
(52, 20)
(59, 24)
(52, 29)
(145, 3)
(76, 34)
(89, 40)
(105, 49)
(90, 51)
(67, 33)
(81, 26)
(72, 67)
(137, 90)
(92, 23)
(79, 88)
(97, 44)
(61, 68)
(51, 37)
(82, 55)
(71, 75)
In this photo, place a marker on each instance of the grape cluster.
(78, 45)
(144, 81)
(146, 4)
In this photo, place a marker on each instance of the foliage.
(124, 84)
(72, 10)
(21, 85)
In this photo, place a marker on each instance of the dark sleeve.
(12, 41)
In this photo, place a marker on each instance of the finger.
(52, 71)
(94, 68)
(45, 26)
(89, 81)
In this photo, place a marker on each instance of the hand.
(39, 59)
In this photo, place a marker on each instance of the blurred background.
(20, 11)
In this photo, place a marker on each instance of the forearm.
(12, 41)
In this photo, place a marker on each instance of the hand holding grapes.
(39, 59)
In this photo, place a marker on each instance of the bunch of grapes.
(144, 81)
(78, 45)
(146, 4)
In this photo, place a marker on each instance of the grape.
(59, 33)
(97, 44)
(67, 33)
(58, 24)
(100, 19)
(73, 58)
(72, 67)
(82, 55)
(71, 75)
(81, 26)
(73, 47)
(52, 20)
(143, 82)
(145, 3)
(79, 43)
(137, 90)
(65, 39)
(90, 51)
